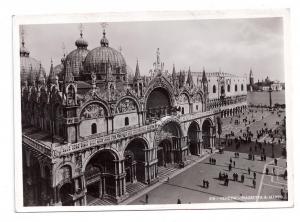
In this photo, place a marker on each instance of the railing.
(101, 140)
(65, 149)
(44, 149)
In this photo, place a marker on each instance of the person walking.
(254, 175)
(178, 201)
(249, 170)
(234, 164)
(242, 178)
(275, 162)
(267, 171)
(146, 198)
(274, 172)
(254, 183)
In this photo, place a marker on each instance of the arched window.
(214, 89)
(228, 88)
(126, 121)
(94, 128)
(182, 110)
(235, 87)
(242, 87)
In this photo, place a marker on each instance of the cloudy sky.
(232, 45)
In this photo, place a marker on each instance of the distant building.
(276, 86)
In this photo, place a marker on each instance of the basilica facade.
(92, 129)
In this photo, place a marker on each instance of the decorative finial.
(22, 35)
(81, 29)
(104, 25)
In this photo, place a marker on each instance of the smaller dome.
(104, 41)
(81, 42)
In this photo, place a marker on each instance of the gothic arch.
(136, 103)
(101, 103)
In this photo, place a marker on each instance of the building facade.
(94, 129)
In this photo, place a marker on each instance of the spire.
(23, 51)
(189, 80)
(173, 72)
(68, 74)
(104, 41)
(41, 77)
(51, 73)
(137, 74)
(251, 73)
(204, 78)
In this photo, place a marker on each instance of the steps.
(133, 188)
(164, 172)
(101, 202)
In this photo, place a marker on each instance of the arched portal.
(193, 138)
(168, 150)
(158, 103)
(206, 133)
(65, 193)
(100, 175)
(135, 160)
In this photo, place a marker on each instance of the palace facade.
(94, 129)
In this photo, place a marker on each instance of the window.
(242, 87)
(235, 87)
(214, 89)
(182, 110)
(126, 121)
(197, 107)
(94, 128)
(228, 88)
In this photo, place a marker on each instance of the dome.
(29, 67)
(103, 55)
(98, 59)
(76, 58)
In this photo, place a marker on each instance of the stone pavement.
(187, 186)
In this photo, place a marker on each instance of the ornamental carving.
(183, 99)
(92, 111)
(197, 98)
(126, 105)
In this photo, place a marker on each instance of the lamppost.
(270, 96)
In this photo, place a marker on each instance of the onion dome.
(77, 56)
(98, 59)
(30, 68)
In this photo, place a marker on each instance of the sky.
(230, 45)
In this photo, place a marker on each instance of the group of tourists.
(205, 184)
(212, 161)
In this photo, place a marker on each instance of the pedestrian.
(229, 167)
(204, 183)
(242, 178)
(146, 198)
(254, 175)
(207, 184)
(275, 162)
(178, 201)
(267, 171)
(220, 175)
(230, 160)
(274, 172)
(168, 179)
(254, 183)
(249, 171)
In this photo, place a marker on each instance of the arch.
(207, 132)
(99, 173)
(127, 106)
(235, 87)
(228, 88)
(169, 127)
(93, 128)
(93, 110)
(101, 103)
(65, 193)
(193, 137)
(158, 107)
(222, 90)
(214, 89)
(134, 155)
(242, 87)
(164, 152)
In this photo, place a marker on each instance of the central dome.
(98, 59)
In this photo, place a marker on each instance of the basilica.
(95, 132)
